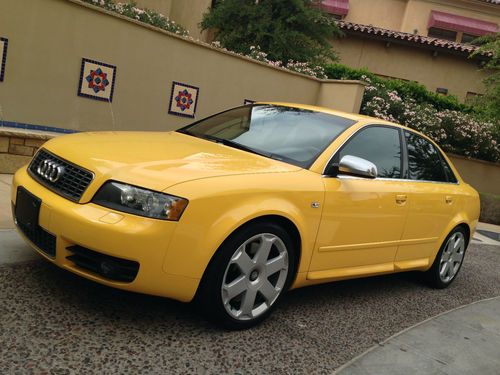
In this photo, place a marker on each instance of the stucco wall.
(483, 176)
(187, 13)
(46, 51)
(458, 74)
(387, 14)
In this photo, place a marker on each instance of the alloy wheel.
(255, 276)
(452, 257)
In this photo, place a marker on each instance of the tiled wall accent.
(183, 100)
(97, 80)
(4, 42)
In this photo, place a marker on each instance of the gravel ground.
(56, 323)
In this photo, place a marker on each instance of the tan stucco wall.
(45, 54)
(483, 176)
(458, 74)
(345, 94)
(162, 6)
(411, 15)
(387, 14)
(187, 13)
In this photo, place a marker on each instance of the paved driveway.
(54, 322)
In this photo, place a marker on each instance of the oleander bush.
(457, 128)
(406, 89)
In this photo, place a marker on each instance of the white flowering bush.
(296, 66)
(455, 131)
(148, 16)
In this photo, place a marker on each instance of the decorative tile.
(4, 42)
(97, 80)
(248, 101)
(183, 100)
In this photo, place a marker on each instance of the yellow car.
(235, 209)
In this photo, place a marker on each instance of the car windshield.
(293, 135)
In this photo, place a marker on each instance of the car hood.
(158, 160)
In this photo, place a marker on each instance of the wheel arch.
(456, 223)
(282, 221)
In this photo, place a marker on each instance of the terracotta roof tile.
(407, 37)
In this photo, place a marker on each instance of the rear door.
(432, 205)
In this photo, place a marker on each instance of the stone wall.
(17, 147)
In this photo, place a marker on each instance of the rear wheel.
(449, 259)
(248, 275)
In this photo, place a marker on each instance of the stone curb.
(382, 343)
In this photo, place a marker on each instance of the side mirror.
(358, 167)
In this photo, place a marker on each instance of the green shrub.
(405, 89)
(490, 208)
(456, 127)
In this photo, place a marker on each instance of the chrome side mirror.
(358, 167)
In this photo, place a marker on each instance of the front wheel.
(248, 275)
(448, 260)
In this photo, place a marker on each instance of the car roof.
(351, 116)
(360, 119)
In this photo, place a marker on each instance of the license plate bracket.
(27, 208)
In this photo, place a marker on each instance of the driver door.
(363, 219)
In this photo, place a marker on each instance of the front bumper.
(111, 233)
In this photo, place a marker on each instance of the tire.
(449, 260)
(244, 281)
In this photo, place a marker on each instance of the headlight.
(138, 201)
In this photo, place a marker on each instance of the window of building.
(435, 32)
(442, 91)
(458, 28)
(380, 145)
(424, 161)
(467, 38)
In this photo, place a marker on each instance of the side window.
(380, 145)
(449, 173)
(424, 161)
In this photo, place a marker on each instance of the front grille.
(73, 181)
(109, 267)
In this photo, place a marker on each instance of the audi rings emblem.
(50, 170)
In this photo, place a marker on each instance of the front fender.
(219, 206)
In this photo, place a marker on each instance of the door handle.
(401, 199)
(448, 199)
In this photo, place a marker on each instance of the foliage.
(148, 16)
(489, 103)
(456, 132)
(286, 30)
(296, 66)
(154, 18)
(406, 89)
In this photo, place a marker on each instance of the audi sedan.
(235, 209)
